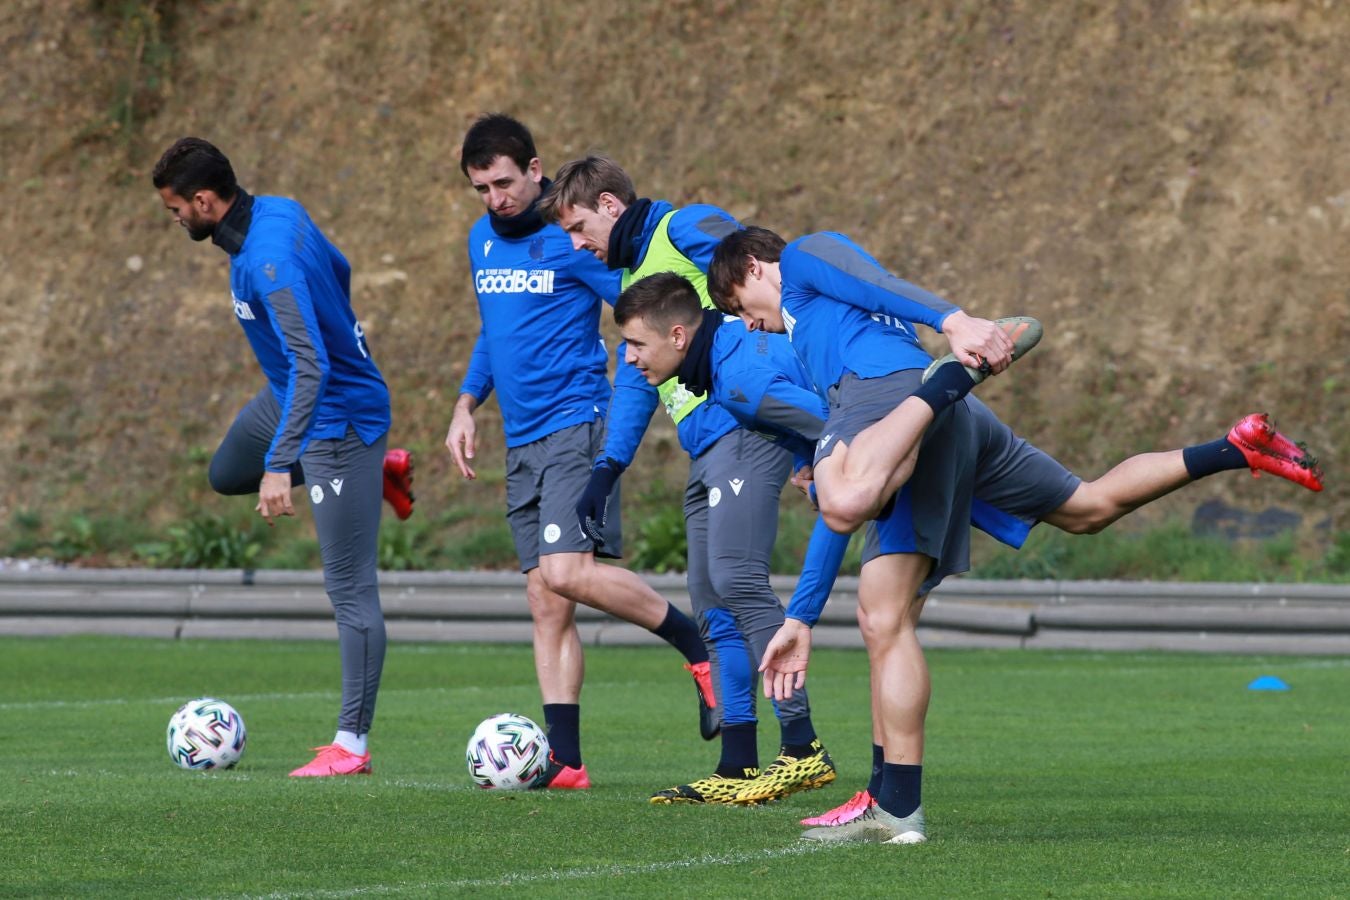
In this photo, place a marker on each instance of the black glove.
(594, 500)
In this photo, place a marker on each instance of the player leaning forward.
(540, 349)
(735, 478)
(851, 323)
(323, 418)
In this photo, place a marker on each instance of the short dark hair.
(193, 165)
(582, 181)
(494, 135)
(731, 262)
(660, 300)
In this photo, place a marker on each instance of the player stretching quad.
(731, 497)
(540, 348)
(323, 418)
(850, 322)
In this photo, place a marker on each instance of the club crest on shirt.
(537, 248)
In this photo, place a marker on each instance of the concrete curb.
(490, 607)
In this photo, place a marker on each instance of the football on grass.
(508, 752)
(206, 734)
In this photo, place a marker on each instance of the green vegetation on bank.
(229, 535)
(1046, 774)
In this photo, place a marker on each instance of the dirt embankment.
(1163, 183)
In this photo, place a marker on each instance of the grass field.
(1048, 775)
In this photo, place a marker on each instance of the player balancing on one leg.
(323, 418)
(540, 350)
(759, 380)
(771, 284)
(1252, 443)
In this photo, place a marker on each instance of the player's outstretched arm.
(462, 437)
(785, 660)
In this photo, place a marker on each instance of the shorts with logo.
(931, 513)
(544, 481)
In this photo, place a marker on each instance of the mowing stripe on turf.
(728, 859)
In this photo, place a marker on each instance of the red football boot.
(560, 777)
(398, 479)
(1266, 450)
(334, 760)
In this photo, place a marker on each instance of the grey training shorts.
(544, 481)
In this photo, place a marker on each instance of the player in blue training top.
(323, 418)
(731, 497)
(539, 347)
(852, 324)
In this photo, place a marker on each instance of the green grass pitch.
(1047, 775)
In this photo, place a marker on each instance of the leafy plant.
(661, 545)
(206, 542)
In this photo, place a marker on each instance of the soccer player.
(731, 497)
(323, 418)
(539, 347)
(850, 321)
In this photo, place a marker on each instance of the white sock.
(351, 742)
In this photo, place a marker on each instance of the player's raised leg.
(1252, 443)
(857, 479)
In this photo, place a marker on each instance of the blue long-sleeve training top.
(539, 344)
(834, 297)
(292, 295)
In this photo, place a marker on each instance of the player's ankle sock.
(740, 750)
(562, 721)
(900, 788)
(798, 735)
(351, 742)
(1216, 456)
(949, 384)
(874, 783)
(680, 632)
